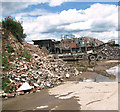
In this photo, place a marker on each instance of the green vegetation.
(6, 58)
(10, 49)
(27, 56)
(5, 82)
(7, 86)
(24, 54)
(5, 61)
(14, 27)
(11, 58)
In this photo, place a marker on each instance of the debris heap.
(109, 51)
(30, 69)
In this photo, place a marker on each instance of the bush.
(10, 49)
(24, 54)
(11, 58)
(6, 85)
(14, 27)
(27, 56)
(5, 61)
(5, 82)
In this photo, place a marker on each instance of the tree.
(14, 27)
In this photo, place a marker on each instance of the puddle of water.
(115, 71)
(82, 66)
(102, 78)
(89, 80)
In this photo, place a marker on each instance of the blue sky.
(65, 6)
(50, 19)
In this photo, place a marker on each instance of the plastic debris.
(24, 86)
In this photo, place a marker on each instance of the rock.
(61, 80)
(80, 72)
(6, 98)
(20, 93)
(90, 69)
(67, 75)
(12, 54)
(10, 95)
(48, 84)
(38, 91)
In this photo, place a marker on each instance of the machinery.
(76, 49)
(71, 48)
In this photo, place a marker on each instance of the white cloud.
(52, 3)
(58, 2)
(104, 17)
(104, 36)
(76, 26)
(33, 13)
(40, 36)
(29, 1)
(99, 21)
(9, 7)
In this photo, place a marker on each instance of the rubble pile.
(91, 40)
(34, 49)
(110, 52)
(39, 72)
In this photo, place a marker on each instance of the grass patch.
(7, 86)
(27, 56)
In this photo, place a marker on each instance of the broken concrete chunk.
(67, 75)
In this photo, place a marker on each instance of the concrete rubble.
(41, 72)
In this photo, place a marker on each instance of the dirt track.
(39, 101)
(69, 96)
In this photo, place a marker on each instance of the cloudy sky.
(43, 19)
